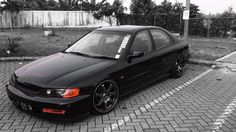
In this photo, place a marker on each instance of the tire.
(178, 67)
(105, 97)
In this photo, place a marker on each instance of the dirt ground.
(33, 43)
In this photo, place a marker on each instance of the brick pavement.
(194, 108)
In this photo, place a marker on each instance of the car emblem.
(48, 92)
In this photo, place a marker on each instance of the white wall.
(51, 19)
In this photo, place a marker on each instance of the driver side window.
(142, 42)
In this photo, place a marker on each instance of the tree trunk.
(110, 21)
(11, 24)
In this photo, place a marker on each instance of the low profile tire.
(105, 97)
(177, 70)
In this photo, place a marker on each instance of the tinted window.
(142, 42)
(161, 39)
(99, 43)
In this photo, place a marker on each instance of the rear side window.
(142, 42)
(161, 39)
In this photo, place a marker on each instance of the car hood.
(58, 70)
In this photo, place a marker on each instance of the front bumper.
(74, 107)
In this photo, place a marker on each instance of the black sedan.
(93, 73)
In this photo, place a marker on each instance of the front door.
(139, 69)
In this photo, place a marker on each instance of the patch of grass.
(210, 49)
(34, 43)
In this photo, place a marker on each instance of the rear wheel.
(105, 97)
(177, 70)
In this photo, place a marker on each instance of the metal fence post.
(154, 21)
(186, 22)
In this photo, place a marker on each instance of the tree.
(167, 15)
(222, 23)
(68, 5)
(141, 12)
(93, 2)
(118, 9)
(141, 7)
(12, 7)
(88, 6)
(164, 7)
(52, 5)
(35, 5)
(108, 11)
(196, 24)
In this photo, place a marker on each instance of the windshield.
(101, 44)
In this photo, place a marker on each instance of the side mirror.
(135, 54)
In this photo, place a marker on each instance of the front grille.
(26, 88)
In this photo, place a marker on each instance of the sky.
(205, 6)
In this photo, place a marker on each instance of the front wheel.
(177, 70)
(105, 97)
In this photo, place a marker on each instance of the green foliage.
(13, 44)
(118, 8)
(87, 6)
(196, 23)
(223, 23)
(64, 5)
(41, 5)
(52, 5)
(68, 4)
(141, 7)
(164, 7)
(10, 5)
(109, 11)
(167, 15)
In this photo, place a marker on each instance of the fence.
(50, 18)
(202, 27)
(171, 22)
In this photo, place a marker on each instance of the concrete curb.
(218, 62)
(203, 62)
(24, 58)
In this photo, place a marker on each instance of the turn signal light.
(70, 93)
(54, 111)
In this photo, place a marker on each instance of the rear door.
(165, 53)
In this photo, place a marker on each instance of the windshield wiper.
(79, 53)
(103, 57)
(98, 56)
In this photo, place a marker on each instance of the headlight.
(61, 93)
(70, 93)
(12, 80)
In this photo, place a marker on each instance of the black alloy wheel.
(105, 97)
(178, 67)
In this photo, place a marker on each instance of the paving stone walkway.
(194, 102)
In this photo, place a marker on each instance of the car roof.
(125, 28)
